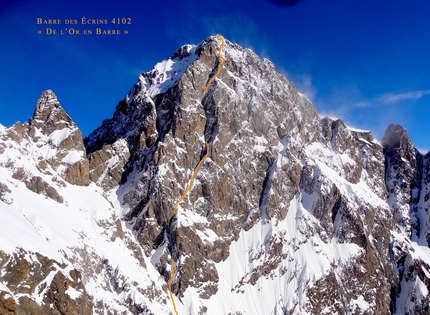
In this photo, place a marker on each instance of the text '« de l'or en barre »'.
(119, 22)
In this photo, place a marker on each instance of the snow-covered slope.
(61, 242)
(291, 213)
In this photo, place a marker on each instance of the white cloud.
(341, 102)
(303, 83)
(235, 26)
(391, 98)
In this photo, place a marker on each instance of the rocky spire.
(49, 116)
(45, 104)
(51, 126)
(396, 137)
(403, 168)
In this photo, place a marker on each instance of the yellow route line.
(191, 180)
(220, 64)
(170, 289)
(195, 173)
(174, 211)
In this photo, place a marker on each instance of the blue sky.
(366, 62)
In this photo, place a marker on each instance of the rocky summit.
(290, 213)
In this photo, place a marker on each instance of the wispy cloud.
(235, 26)
(304, 85)
(345, 99)
(373, 112)
(391, 98)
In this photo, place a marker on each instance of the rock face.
(291, 213)
(408, 184)
(107, 164)
(51, 121)
(26, 277)
(55, 144)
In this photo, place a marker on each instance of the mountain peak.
(49, 116)
(47, 102)
(53, 130)
(167, 72)
(396, 137)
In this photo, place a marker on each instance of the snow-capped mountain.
(290, 213)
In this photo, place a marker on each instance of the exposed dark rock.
(59, 299)
(5, 193)
(323, 294)
(23, 276)
(403, 164)
(107, 164)
(7, 304)
(37, 184)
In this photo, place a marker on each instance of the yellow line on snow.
(170, 289)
